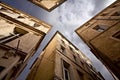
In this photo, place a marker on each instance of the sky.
(66, 18)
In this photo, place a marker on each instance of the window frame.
(65, 67)
(68, 73)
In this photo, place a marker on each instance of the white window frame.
(65, 69)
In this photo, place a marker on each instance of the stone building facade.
(20, 37)
(102, 35)
(61, 60)
(48, 5)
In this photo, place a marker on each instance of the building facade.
(102, 35)
(61, 60)
(20, 37)
(48, 5)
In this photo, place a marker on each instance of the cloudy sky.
(66, 18)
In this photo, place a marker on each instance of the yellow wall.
(50, 63)
(103, 44)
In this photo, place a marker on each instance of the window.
(104, 14)
(36, 25)
(39, 0)
(66, 72)
(17, 32)
(62, 49)
(3, 9)
(100, 28)
(113, 6)
(36, 60)
(1, 68)
(80, 75)
(20, 17)
(82, 63)
(116, 13)
(71, 48)
(86, 24)
(63, 42)
(117, 35)
(74, 57)
(8, 54)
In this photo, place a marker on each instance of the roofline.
(21, 24)
(50, 40)
(49, 10)
(95, 16)
(20, 11)
(57, 32)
